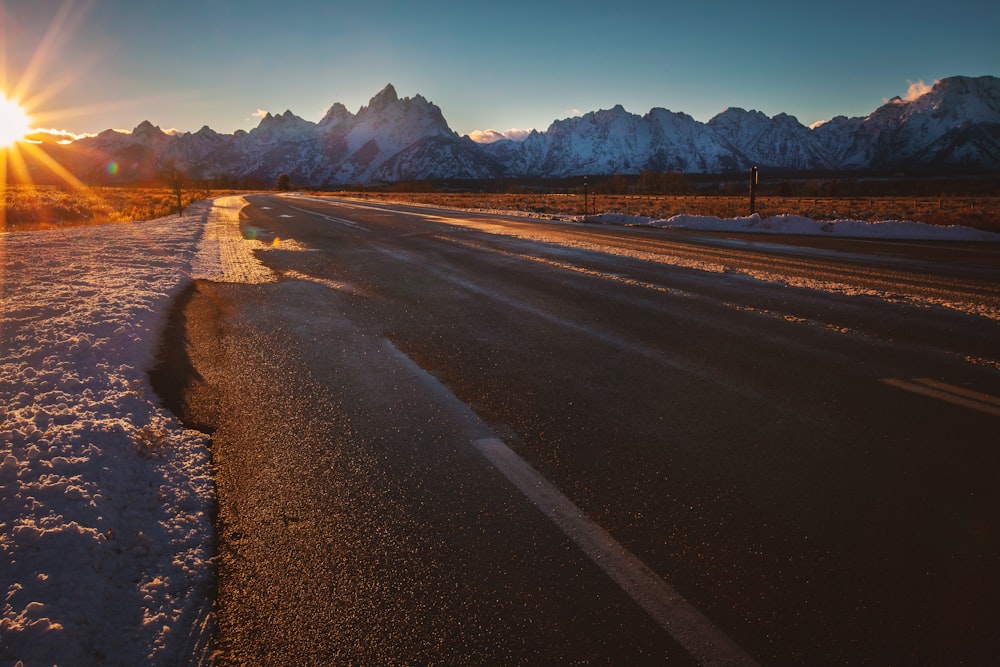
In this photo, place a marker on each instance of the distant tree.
(175, 179)
(834, 188)
(618, 184)
(284, 182)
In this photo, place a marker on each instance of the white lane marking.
(966, 398)
(892, 294)
(688, 626)
(331, 284)
(332, 219)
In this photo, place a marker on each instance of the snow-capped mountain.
(616, 141)
(390, 139)
(956, 125)
(781, 140)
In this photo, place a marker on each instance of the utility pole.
(753, 189)
(586, 208)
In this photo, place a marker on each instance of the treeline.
(776, 183)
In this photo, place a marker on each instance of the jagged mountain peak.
(382, 100)
(387, 102)
(281, 118)
(737, 115)
(953, 124)
(284, 120)
(786, 119)
(336, 115)
(145, 127)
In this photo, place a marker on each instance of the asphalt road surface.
(453, 438)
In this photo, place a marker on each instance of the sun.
(14, 122)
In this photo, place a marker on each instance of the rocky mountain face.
(954, 126)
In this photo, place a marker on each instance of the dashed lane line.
(949, 393)
(688, 626)
(331, 218)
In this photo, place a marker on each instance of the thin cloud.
(260, 113)
(489, 136)
(52, 136)
(918, 89)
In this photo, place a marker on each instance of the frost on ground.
(794, 224)
(105, 533)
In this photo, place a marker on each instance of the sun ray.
(28, 102)
(53, 86)
(3, 210)
(57, 34)
(24, 97)
(16, 165)
(53, 165)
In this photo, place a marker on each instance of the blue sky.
(103, 64)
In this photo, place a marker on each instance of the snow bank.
(105, 533)
(793, 224)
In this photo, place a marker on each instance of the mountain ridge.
(955, 125)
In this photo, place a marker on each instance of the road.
(462, 438)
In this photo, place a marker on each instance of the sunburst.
(14, 121)
(24, 104)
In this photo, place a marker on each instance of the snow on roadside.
(105, 533)
(793, 224)
(779, 224)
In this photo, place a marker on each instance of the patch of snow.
(793, 224)
(105, 530)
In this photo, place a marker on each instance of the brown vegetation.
(42, 206)
(982, 212)
(28, 207)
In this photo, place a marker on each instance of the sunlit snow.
(104, 496)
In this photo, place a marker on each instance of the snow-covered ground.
(793, 224)
(105, 498)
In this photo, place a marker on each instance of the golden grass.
(28, 207)
(972, 211)
(43, 207)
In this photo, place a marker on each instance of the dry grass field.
(972, 211)
(29, 207)
(43, 207)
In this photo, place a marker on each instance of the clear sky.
(86, 66)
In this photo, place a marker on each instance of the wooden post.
(753, 189)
